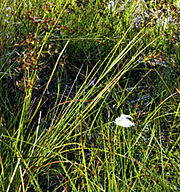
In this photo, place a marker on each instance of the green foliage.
(68, 70)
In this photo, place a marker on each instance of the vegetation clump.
(68, 70)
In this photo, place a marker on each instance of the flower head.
(124, 121)
(111, 5)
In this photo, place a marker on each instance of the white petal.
(123, 121)
(123, 116)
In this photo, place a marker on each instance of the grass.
(68, 70)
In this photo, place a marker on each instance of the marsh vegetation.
(68, 69)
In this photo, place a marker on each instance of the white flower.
(124, 121)
(111, 5)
